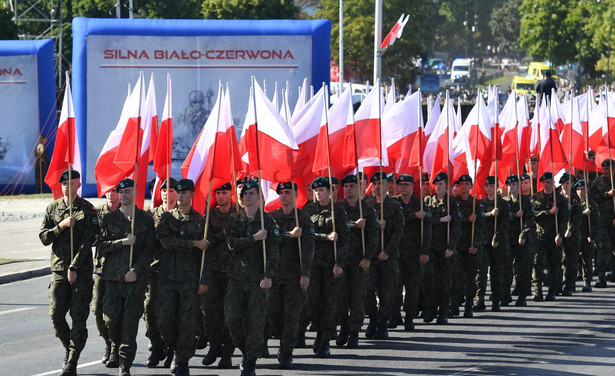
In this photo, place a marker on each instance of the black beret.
(126, 183)
(285, 185)
(321, 181)
(465, 178)
(524, 177)
(605, 163)
(184, 185)
(547, 175)
(362, 175)
(490, 180)
(350, 179)
(391, 176)
(425, 177)
(579, 183)
(405, 178)
(377, 176)
(456, 182)
(565, 177)
(440, 177)
(511, 179)
(249, 184)
(240, 181)
(172, 183)
(534, 158)
(74, 175)
(335, 180)
(225, 187)
(151, 184)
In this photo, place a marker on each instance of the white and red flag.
(400, 129)
(370, 147)
(441, 142)
(572, 133)
(66, 149)
(395, 32)
(164, 148)
(552, 155)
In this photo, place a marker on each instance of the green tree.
(505, 26)
(249, 9)
(8, 29)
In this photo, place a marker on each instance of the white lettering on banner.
(123, 54)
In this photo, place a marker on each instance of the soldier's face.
(490, 189)
(169, 195)
(73, 185)
(184, 198)
(426, 187)
(322, 194)
(376, 188)
(351, 190)
(238, 188)
(440, 187)
(287, 197)
(581, 192)
(250, 197)
(126, 195)
(112, 197)
(566, 186)
(223, 197)
(513, 188)
(465, 187)
(336, 189)
(405, 188)
(534, 166)
(525, 185)
(547, 185)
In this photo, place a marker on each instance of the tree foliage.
(249, 9)
(505, 26)
(8, 29)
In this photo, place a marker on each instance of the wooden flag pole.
(382, 191)
(517, 158)
(326, 109)
(70, 205)
(552, 172)
(297, 224)
(448, 172)
(359, 180)
(478, 97)
(207, 213)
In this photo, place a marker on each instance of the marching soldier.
(446, 228)
(601, 192)
(589, 232)
(494, 239)
(291, 277)
(384, 270)
(526, 186)
(181, 233)
(326, 268)
(548, 243)
(245, 304)
(212, 304)
(125, 281)
(413, 248)
(520, 241)
(112, 204)
(572, 237)
(469, 254)
(71, 284)
(160, 350)
(361, 248)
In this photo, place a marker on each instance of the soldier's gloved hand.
(332, 236)
(553, 210)
(296, 232)
(420, 214)
(472, 250)
(448, 253)
(445, 219)
(260, 234)
(360, 223)
(72, 276)
(201, 244)
(304, 282)
(202, 289)
(364, 264)
(558, 240)
(67, 222)
(130, 276)
(130, 239)
(519, 213)
(266, 283)
(472, 217)
(383, 224)
(383, 256)
(568, 234)
(587, 211)
(521, 240)
(337, 271)
(495, 212)
(423, 259)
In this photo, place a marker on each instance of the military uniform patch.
(276, 232)
(312, 231)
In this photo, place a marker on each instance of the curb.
(19, 276)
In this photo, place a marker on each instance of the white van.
(461, 70)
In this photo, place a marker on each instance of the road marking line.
(79, 366)
(16, 310)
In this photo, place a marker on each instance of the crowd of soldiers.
(366, 246)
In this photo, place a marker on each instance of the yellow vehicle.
(523, 85)
(536, 70)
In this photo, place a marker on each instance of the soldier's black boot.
(551, 294)
(538, 294)
(371, 328)
(442, 317)
(169, 360)
(408, 323)
(395, 320)
(107, 353)
(286, 359)
(587, 288)
(515, 291)
(225, 358)
(353, 340)
(521, 301)
(201, 342)
(381, 332)
(342, 337)
(323, 350)
(249, 368)
(114, 357)
(317, 342)
(155, 357)
(495, 306)
(124, 370)
(467, 310)
(70, 369)
(601, 281)
(506, 300)
(480, 306)
(430, 313)
(182, 369)
(301, 340)
(212, 355)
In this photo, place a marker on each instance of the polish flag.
(66, 149)
(164, 147)
(371, 148)
(390, 102)
(552, 155)
(269, 141)
(512, 130)
(400, 129)
(428, 149)
(149, 140)
(301, 100)
(557, 114)
(442, 141)
(601, 125)
(395, 32)
(474, 141)
(572, 133)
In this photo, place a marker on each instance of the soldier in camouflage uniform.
(384, 270)
(600, 191)
(468, 255)
(414, 246)
(520, 242)
(494, 245)
(446, 229)
(112, 204)
(291, 277)
(245, 305)
(71, 284)
(548, 242)
(182, 275)
(572, 237)
(125, 282)
(362, 241)
(589, 232)
(212, 302)
(326, 268)
(160, 350)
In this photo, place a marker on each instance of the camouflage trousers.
(98, 296)
(285, 302)
(351, 293)
(464, 277)
(437, 279)
(383, 280)
(212, 306)
(549, 256)
(245, 309)
(177, 306)
(73, 299)
(491, 261)
(149, 312)
(322, 300)
(412, 271)
(587, 254)
(606, 249)
(518, 262)
(570, 261)
(122, 310)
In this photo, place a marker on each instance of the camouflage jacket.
(218, 249)
(545, 222)
(323, 248)
(410, 244)
(598, 192)
(354, 254)
(393, 229)
(515, 230)
(440, 230)
(99, 259)
(290, 265)
(465, 208)
(492, 231)
(590, 222)
(156, 214)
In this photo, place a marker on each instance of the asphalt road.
(572, 336)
